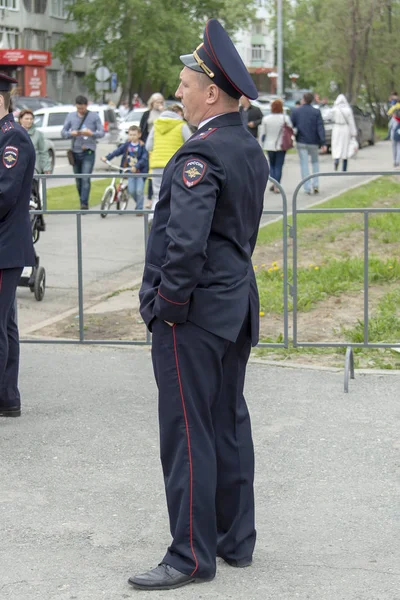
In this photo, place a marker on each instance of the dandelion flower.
(263, 265)
(276, 268)
(270, 270)
(316, 268)
(255, 267)
(390, 267)
(262, 313)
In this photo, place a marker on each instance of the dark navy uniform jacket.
(17, 164)
(198, 263)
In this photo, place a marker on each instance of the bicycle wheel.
(106, 201)
(123, 200)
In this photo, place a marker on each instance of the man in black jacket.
(251, 115)
(310, 137)
(199, 298)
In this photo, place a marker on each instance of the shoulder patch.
(193, 172)
(8, 125)
(204, 134)
(10, 156)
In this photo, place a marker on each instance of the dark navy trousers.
(207, 450)
(9, 339)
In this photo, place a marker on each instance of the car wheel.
(52, 159)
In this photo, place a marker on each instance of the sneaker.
(316, 191)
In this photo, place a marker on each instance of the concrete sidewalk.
(82, 501)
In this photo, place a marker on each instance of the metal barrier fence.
(291, 287)
(349, 359)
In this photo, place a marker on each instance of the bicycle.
(116, 193)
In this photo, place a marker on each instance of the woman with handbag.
(276, 138)
(344, 132)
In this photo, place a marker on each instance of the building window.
(257, 52)
(59, 8)
(9, 38)
(80, 52)
(34, 39)
(36, 6)
(10, 4)
(257, 28)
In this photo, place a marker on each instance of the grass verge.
(66, 197)
(330, 290)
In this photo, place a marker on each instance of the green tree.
(350, 43)
(141, 40)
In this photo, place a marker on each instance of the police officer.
(199, 298)
(17, 163)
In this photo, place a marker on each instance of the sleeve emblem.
(10, 156)
(193, 172)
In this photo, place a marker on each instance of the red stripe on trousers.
(190, 455)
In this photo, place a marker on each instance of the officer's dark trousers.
(206, 445)
(9, 341)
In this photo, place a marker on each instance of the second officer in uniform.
(17, 163)
(199, 298)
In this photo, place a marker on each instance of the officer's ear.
(213, 94)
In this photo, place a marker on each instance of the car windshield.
(134, 115)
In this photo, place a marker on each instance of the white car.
(50, 122)
(132, 118)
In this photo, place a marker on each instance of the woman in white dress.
(271, 130)
(344, 129)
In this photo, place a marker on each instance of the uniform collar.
(224, 120)
(8, 117)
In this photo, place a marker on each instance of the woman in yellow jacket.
(168, 134)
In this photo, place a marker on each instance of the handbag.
(287, 136)
(70, 152)
(352, 147)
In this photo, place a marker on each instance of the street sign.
(102, 74)
(102, 86)
(114, 82)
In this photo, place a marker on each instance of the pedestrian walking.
(199, 298)
(251, 115)
(272, 135)
(135, 157)
(168, 134)
(84, 128)
(310, 137)
(155, 108)
(17, 163)
(42, 164)
(394, 133)
(344, 132)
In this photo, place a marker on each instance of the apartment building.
(256, 46)
(28, 31)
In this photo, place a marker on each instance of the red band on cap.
(215, 59)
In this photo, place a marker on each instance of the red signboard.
(35, 81)
(36, 58)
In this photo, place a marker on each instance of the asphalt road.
(82, 502)
(113, 248)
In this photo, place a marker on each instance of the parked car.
(364, 123)
(50, 122)
(33, 103)
(132, 118)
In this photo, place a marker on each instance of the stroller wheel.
(40, 284)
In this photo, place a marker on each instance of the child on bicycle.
(135, 157)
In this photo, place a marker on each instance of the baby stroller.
(36, 281)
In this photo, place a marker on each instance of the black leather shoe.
(240, 564)
(10, 411)
(163, 577)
